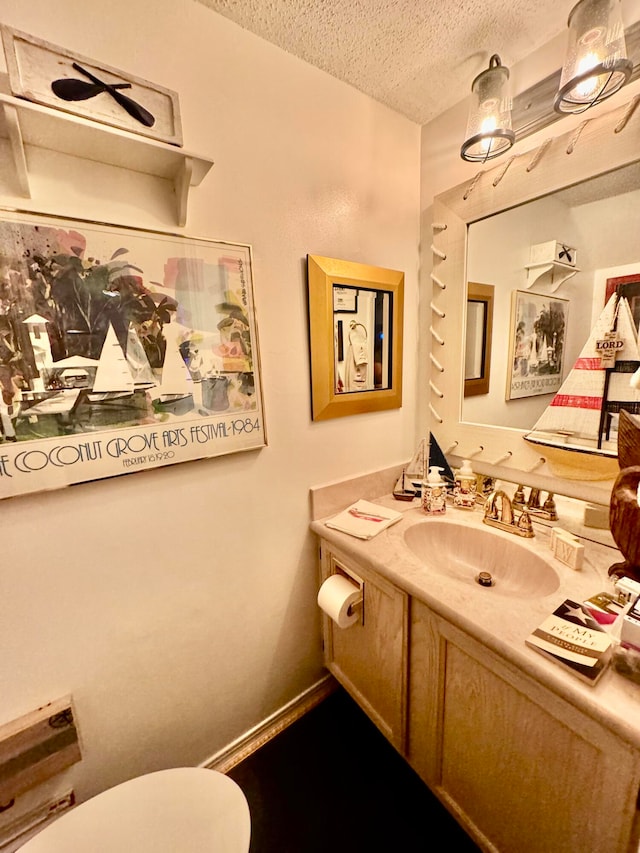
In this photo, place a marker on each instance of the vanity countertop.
(500, 622)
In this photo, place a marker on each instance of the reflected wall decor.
(536, 350)
(478, 338)
(121, 350)
(355, 333)
(629, 287)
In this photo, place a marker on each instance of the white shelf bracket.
(181, 184)
(17, 149)
(557, 273)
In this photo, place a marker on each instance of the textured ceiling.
(417, 56)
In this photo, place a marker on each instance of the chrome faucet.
(498, 512)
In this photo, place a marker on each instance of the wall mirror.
(597, 219)
(581, 188)
(478, 339)
(355, 334)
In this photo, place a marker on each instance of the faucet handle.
(549, 506)
(534, 499)
(524, 522)
(519, 497)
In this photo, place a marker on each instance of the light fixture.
(596, 63)
(489, 130)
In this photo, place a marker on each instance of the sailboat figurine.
(579, 418)
(409, 484)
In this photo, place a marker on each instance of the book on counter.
(572, 637)
(605, 608)
(364, 519)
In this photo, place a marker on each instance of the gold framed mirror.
(355, 336)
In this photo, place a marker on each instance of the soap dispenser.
(464, 487)
(434, 492)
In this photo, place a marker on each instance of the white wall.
(177, 606)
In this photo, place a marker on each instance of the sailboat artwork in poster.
(121, 350)
(603, 381)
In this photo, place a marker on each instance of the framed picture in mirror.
(629, 287)
(479, 331)
(536, 348)
(355, 337)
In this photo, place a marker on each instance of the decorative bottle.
(434, 492)
(464, 487)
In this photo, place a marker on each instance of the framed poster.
(536, 346)
(121, 350)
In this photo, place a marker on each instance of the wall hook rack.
(541, 461)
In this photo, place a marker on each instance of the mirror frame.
(598, 145)
(323, 273)
(483, 293)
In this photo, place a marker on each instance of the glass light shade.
(489, 130)
(596, 63)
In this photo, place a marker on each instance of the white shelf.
(31, 124)
(556, 271)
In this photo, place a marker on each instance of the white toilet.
(182, 810)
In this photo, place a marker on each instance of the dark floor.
(332, 783)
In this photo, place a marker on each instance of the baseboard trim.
(265, 731)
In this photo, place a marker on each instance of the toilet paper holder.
(341, 596)
(356, 606)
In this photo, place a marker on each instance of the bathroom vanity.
(527, 757)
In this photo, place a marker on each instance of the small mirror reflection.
(477, 351)
(474, 350)
(362, 323)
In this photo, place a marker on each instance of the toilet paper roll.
(336, 596)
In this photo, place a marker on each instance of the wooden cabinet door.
(528, 770)
(369, 657)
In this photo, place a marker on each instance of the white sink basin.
(462, 552)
